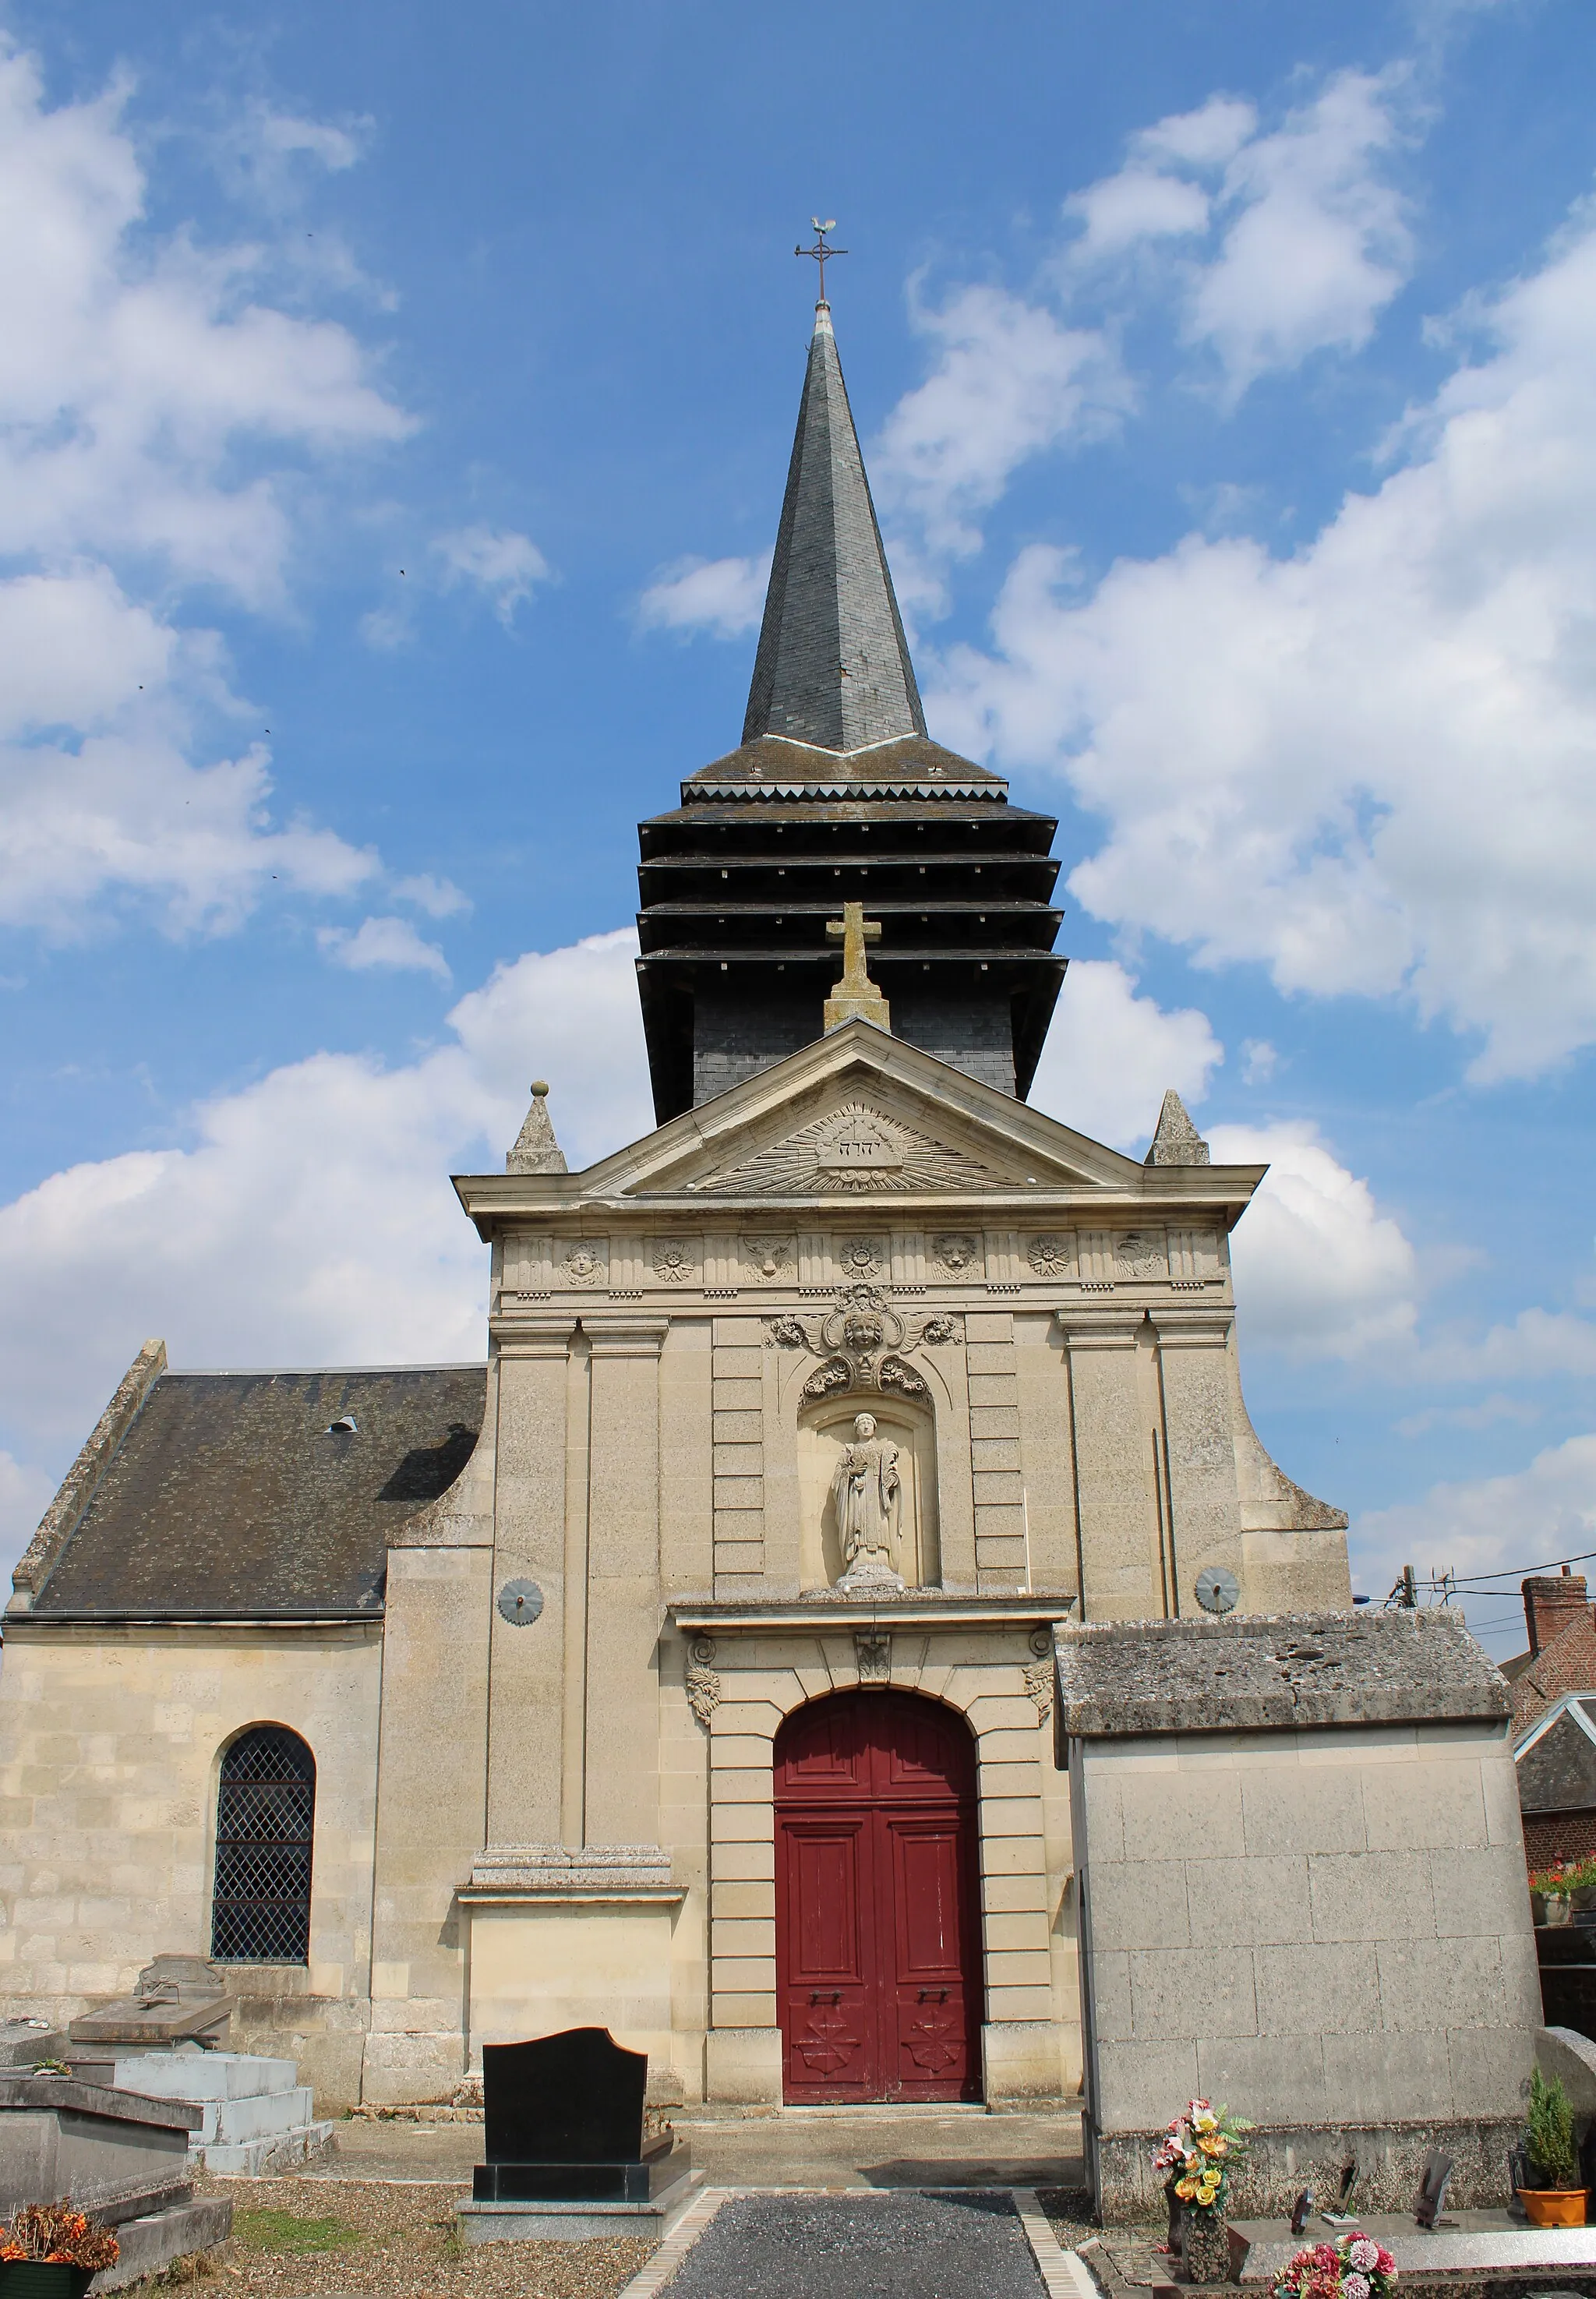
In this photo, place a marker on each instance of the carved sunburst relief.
(851, 1151)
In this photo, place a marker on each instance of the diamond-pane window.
(265, 1817)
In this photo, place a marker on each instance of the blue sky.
(393, 417)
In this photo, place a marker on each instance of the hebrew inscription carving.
(850, 1151)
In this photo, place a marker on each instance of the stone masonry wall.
(1322, 1927)
(112, 1741)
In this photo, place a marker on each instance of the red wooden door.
(877, 1925)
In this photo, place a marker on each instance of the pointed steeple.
(833, 666)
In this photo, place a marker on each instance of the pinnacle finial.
(535, 1149)
(1177, 1141)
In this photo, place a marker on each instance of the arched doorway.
(877, 1911)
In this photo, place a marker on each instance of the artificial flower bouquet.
(59, 2235)
(1198, 2152)
(1355, 2268)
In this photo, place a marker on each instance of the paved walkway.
(957, 2245)
(799, 2147)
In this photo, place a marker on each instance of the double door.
(877, 1914)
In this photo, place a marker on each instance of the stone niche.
(824, 1427)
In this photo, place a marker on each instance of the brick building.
(1554, 1721)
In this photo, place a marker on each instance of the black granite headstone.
(1432, 2193)
(562, 2122)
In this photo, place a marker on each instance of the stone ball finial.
(540, 1087)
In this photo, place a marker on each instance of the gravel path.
(861, 2246)
(296, 2238)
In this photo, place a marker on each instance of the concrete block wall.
(1324, 1927)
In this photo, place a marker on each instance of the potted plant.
(1355, 2268)
(1551, 2195)
(52, 2251)
(1551, 1891)
(1197, 2155)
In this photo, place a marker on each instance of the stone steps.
(257, 2118)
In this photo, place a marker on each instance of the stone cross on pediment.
(856, 998)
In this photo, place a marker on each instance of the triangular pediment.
(854, 1116)
(860, 1113)
(857, 1148)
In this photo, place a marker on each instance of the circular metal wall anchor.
(1217, 1588)
(520, 1602)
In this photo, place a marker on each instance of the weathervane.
(820, 251)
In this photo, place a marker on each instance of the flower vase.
(1204, 2244)
(43, 2278)
(1177, 2211)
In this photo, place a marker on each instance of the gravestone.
(562, 2122)
(1432, 2193)
(177, 1999)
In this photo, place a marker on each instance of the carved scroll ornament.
(861, 1341)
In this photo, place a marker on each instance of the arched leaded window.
(265, 1818)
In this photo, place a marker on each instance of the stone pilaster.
(537, 1374)
(1204, 1507)
(1113, 1465)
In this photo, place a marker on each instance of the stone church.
(686, 1668)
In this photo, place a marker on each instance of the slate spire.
(833, 664)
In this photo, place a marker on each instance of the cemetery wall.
(112, 1741)
(1328, 1929)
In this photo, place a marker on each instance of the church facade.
(687, 1668)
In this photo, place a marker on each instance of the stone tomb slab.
(1476, 2246)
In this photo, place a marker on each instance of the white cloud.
(125, 820)
(279, 136)
(1009, 381)
(1482, 1415)
(507, 566)
(390, 945)
(135, 371)
(440, 898)
(312, 1221)
(1310, 237)
(1307, 762)
(1204, 139)
(1111, 1055)
(156, 415)
(1504, 1524)
(76, 652)
(1260, 1061)
(723, 596)
(25, 1494)
(1540, 1345)
(1136, 204)
(1320, 1271)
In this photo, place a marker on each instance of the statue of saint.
(867, 1495)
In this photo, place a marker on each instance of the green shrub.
(1548, 2142)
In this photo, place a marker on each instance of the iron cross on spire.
(821, 252)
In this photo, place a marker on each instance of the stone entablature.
(1055, 1260)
